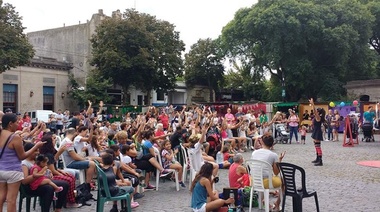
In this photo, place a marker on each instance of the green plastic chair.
(104, 186)
(28, 198)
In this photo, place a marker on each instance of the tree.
(138, 50)
(203, 66)
(95, 90)
(15, 49)
(243, 76)
(374, 7)
(305, 44)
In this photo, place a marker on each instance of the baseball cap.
(8, 110)
(18, 113)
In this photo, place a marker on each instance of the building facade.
(72, 45)
(40, 85)
(360, 88)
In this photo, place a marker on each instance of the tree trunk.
(149, 96)
(125, 92)
(211, 94)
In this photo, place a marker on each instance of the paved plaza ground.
(342, 185)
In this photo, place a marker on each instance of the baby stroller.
(280, 134)
(368, 132)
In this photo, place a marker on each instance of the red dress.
(34, 185)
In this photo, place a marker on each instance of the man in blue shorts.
(74, 160)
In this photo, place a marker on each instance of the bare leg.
(216, 204)
(207, 147)
(178, 168)
(12, 193)
(3, 195)
(147, 177)
(90, 172)
(48, 181)
(155, 163)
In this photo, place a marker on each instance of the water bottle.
(232, 195)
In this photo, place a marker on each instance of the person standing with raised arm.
(318, 120)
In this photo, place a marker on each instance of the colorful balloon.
(332, 104)
(355, 103)
(342, 104)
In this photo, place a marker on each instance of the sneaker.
(138, 196)
(216, 179)
(114, 209)
(73, 205)
(150, 187)
(134, 204)
(164, 173)
(182, 184)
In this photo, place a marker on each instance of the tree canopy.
(95, 90)
(312, 47)
(203, 66)
(138, 50)
(15, 49)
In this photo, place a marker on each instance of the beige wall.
(364, 87)
(33, 79)
(68, 44)
(198, 94)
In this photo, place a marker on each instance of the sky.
(194, 19)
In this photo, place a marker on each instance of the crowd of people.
(128, 151)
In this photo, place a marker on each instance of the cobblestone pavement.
(342, 185)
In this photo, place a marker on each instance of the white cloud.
(194, 19)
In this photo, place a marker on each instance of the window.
(160, 96)
(10, 97)
(139, 100)
(48, 98)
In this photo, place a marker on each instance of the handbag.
(6, 144)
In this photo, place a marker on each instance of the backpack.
(83, 194)
(247, 194)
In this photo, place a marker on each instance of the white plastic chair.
(193, 172)
(82, 173)
(158, 157)
(186, 165)
(257, 168)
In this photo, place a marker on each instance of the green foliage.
(243, 76)
(374, 7)
(314, 46)
(138, 50)
(95, 90)
(15, 49)
(203, 66)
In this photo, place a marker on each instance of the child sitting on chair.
(169, 161)
(39, 172)
(115, 187)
